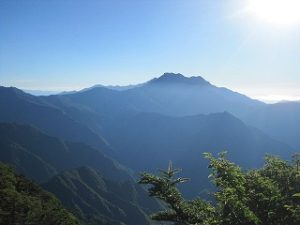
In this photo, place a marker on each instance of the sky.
(72, 44)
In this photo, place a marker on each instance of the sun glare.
(281, 12)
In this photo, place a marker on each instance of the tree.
(23, 202)
(268, 195)
(296, 160)
(180, 211)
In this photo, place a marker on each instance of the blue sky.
(67, 45)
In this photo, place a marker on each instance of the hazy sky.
(66, 45)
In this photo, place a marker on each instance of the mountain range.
(91, 144)
(176, 95)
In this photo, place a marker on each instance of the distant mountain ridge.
(170, 94)
(40, 92)
(99, 113)
(114, 87)
(176, 95)
(177, 78)
(17, 106)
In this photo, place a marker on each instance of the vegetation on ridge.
(23, 202)
(269, 195)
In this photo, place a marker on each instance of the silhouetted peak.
(14, 92)
(177, 78)
(172, 76)
(10, 90)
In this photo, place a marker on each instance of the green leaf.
(296, 195)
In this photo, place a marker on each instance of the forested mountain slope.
(98, 200)
(40, 156)
(23, 202)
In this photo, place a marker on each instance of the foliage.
(269, 195)
(180, 211)
(23, 202)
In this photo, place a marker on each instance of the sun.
(280, 12)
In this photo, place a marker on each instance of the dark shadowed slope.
(97, 200)
(281, 120)
(23, 202)
(148, 141)
(153, 132)
(40, 156)
(17, 106)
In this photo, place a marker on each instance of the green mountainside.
(23, 202)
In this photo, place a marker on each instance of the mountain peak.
(168, 75)
(178, 78)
